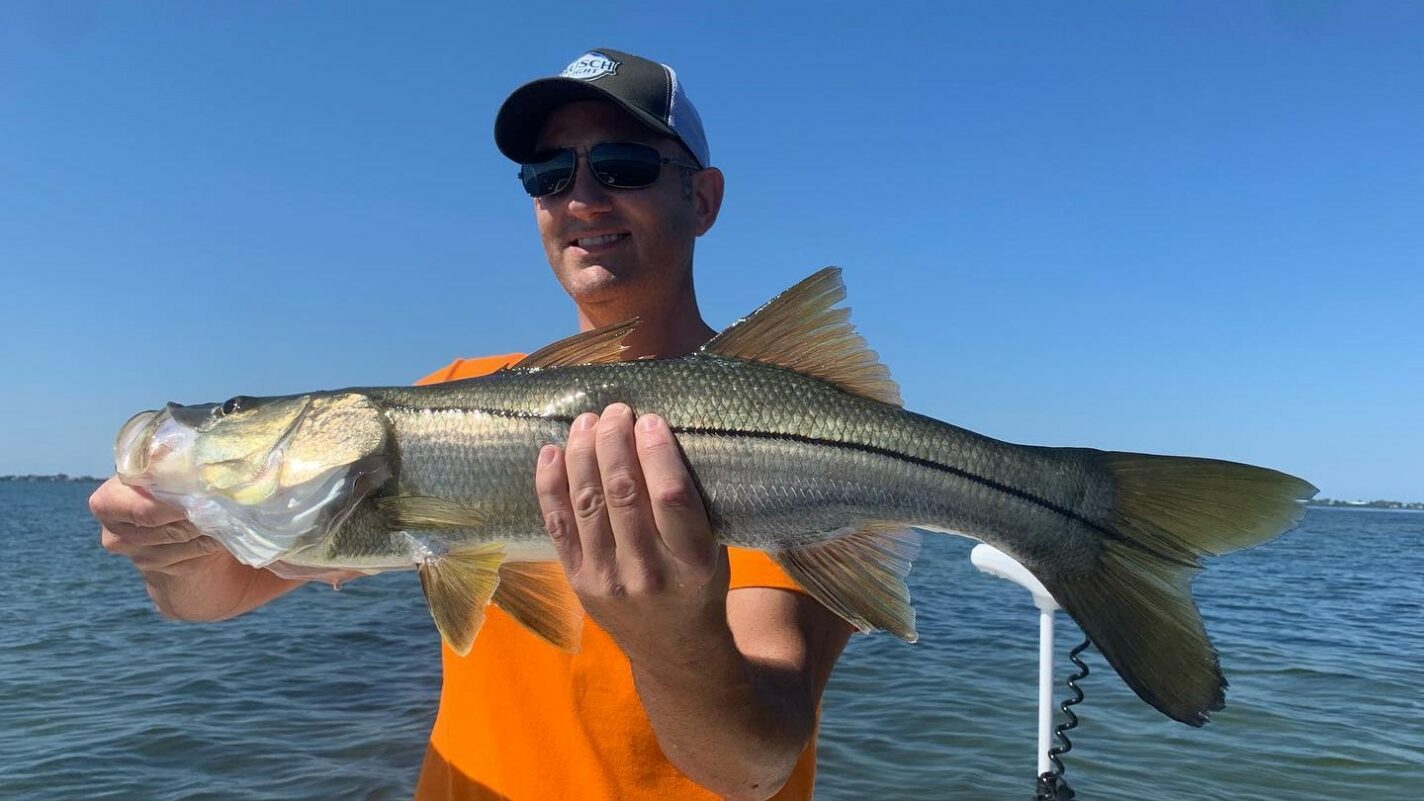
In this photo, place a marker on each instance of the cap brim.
(523, 113)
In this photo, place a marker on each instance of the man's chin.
(588, 281)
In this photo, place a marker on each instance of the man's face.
(618, 247)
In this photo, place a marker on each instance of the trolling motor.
(1051, 784)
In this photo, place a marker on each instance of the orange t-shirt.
(521, 720)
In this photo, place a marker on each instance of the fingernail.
(619, 409)
(585, 421)
(649, 423)
(547, 454)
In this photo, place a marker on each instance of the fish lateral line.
(519, 414)
(958, 472)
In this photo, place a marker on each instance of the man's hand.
(189, 576)
(731, 686)
(630, 529)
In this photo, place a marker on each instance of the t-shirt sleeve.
(755, 569)
(470, 368)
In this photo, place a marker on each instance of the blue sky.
(1178, 228)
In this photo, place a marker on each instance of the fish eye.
(233, 404)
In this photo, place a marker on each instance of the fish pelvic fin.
(539, 598)
(860, 577)
(458, 585)
(599, 346)
(1136, 604)
(802, 329)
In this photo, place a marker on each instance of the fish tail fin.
(1136, 603)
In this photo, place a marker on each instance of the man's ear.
(707, 188)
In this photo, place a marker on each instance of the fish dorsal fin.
(537, 595)
(458, 585)
(599, 346)
(418, 512)
(860, 576)
(802, 330)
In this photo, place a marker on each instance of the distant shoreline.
(58, 478)
(1330, 503)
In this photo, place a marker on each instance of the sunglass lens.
(548, 173)
(625, 165)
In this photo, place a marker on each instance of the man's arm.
(738, 721)
(189, 576)
(730, 682)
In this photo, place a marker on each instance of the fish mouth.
(155, 447)
(131, 448)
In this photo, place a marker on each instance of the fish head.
(265, 476)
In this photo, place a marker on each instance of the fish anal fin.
(422, 512)
(458, 585)
(802, 329)
(538, 597)
(599, 346)
(860, 577)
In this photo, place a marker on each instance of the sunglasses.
(616, 165)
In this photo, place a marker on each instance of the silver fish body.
(795, 435)
(783, 460)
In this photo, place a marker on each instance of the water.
(331, 694)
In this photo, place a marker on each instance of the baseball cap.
(646, 89)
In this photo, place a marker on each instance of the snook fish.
(795, 433)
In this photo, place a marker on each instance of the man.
(700, 671)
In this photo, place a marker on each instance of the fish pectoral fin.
(860, 577)
(801, 329)
(418, 512)
(458, 585)
(538, 597)
(599, 346)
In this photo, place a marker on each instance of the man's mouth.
(600, 241)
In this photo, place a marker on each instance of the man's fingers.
(116, 502)
(551, 483)
(163, 558)
(586, 498)
(676, 505)
(635, 533)
(122, 537)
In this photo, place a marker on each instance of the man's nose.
(587, 197)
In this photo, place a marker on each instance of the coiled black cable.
(1051, 784)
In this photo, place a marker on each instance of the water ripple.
(327, 694)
